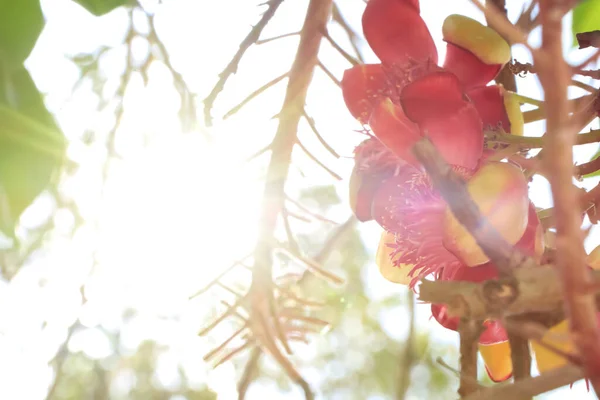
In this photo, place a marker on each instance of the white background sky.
(152, 254)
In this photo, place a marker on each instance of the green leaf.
(32, 147)
(586, 17)
(21, 22)
(101, 7)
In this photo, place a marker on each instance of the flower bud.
(475, 52)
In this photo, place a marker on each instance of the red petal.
(397, 33)
(394, 129)
(527, 243)
(471, 71)
(489, 102)
(458, 137)
(362, 87)
(435, 95)
(363, 185)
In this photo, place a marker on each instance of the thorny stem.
(300, 76)
(555, 75)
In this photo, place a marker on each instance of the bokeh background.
(152, 204)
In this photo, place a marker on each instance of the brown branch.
(469, 331)
(250, 372)
(344, 53)
(352, 36)
(219, 277)
(502, 25)
(530, 387)
(316, 160)
(454, 191)
(588, 39)
(313, 127)
(594, 74)
(520, 356)
(526, 21)
(286, 137)
(271, 39)
(571, 256)
(539, 291)
(254, 94)
(330, 74)
(232, 67)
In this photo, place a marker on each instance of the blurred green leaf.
(21, 23)
(101, 7)
(32, 146)
(586, 17)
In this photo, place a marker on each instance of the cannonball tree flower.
(408, 97)
(399, 37)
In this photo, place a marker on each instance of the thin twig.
(343, 52)
(498, 22)
(231, 68)
(254, 94)
(330, 74)
(250, 372)
(313, 127)
(271, 39)
(316, 160)
(352, 36)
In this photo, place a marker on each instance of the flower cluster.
(409, 96)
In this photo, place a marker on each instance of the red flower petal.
(363, 185)
(435, 95)
(531, 243)
(362, 88)
(397, 33)
(489, 101)
(458, 137)
(394, 129)
(470, 70)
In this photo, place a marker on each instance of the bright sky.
(160, 237)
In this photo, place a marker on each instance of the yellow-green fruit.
(558, 338)
(387, 269)
(482, 41)
(500, 191)
(497, 360)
